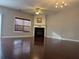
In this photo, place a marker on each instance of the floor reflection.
(39, 41)
(38, 50)
(27, 48)
(21, 49)
(17, 47)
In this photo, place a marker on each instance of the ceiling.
(30, 5)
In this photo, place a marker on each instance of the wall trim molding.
(16, 36)
(63, 39)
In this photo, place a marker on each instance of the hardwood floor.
(26, 48)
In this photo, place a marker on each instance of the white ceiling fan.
(35, 10)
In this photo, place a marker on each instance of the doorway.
(39, 34)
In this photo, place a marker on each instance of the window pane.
(26, 28)
(27, 23)
(19, 22)
(22, 24)
(18, 28)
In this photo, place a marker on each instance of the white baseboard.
(64, 39)
(16, 36)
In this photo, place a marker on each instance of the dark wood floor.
(26, 48)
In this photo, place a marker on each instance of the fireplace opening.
(39, 34)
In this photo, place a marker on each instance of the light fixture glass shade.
(60, 4)
(37, 11)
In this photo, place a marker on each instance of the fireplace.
(39, 34)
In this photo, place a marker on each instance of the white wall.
(8, 16)
(64, 25)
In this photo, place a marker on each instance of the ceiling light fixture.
(37, 11)
(60, 4)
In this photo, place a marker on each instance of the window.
(22, 24)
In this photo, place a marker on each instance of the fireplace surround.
(39, 29)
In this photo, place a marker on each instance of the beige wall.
(8, 16)
(64, 25)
